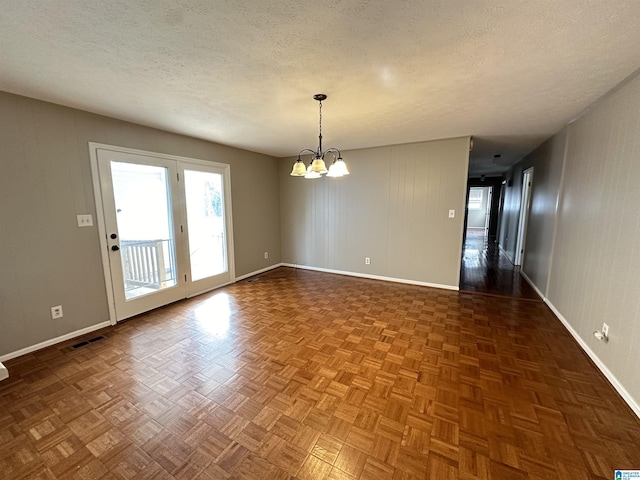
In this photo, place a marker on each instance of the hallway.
(485, 269)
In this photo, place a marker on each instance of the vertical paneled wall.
(582, 240)
(547, 162)
(393, 208)
(596, 256)
(511, 211)
(45, 181)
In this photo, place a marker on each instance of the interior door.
(165, 224)
(141, 221)
(487, 214)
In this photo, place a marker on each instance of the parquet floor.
(308, 375)
(485, 269)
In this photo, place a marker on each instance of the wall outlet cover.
(56, 312)
(85, 220)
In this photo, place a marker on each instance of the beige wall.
(45, 181)
(583, 255)
(511, 211)
(596, 257)
(547, 162)
(393, 208)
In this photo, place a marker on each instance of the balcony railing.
(147, 263)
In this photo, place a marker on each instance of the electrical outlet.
(605, 329)
(452, 214)
(56, 312)
(266, 255)
(84, 220)
(367, 261)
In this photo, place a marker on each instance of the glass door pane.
(204, 194)
(144, 222)
(167, 228)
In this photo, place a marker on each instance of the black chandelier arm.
(319, 153)
(308, 150)
(313, 153)
(332, 149)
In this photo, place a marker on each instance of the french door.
(164, 224)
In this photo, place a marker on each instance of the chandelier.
(317, 167)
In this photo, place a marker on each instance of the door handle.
(113, 236)
(115, 248)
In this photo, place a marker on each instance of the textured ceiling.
(243, 73)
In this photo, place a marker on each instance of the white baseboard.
(4, 373)
(374, 277)
(258, 272)
(599, 363)
(53, 341)
(506, 254)
(533, 285)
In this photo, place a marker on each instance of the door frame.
(125, 306)
(500, 212)
(523, 223)
(488, 210)
(100, 218)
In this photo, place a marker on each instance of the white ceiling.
(243, 72)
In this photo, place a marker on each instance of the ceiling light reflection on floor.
(214, 315)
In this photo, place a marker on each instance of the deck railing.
(147, 263)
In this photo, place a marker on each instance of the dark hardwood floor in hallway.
(485, 269)
(299, 374)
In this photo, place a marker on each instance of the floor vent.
(87, 342)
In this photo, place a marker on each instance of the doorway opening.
(485, 268)
(479, 211)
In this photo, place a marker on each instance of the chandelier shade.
(338, 168)
(299, 169)
(317, 167)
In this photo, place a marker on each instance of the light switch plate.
(85, 220)
(452, 213)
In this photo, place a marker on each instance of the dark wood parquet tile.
(486, 269)
(297, 374)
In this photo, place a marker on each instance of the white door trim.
(100, 219)
(487, 211)
(102, 232)
(525, 205)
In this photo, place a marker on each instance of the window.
(475, 198)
